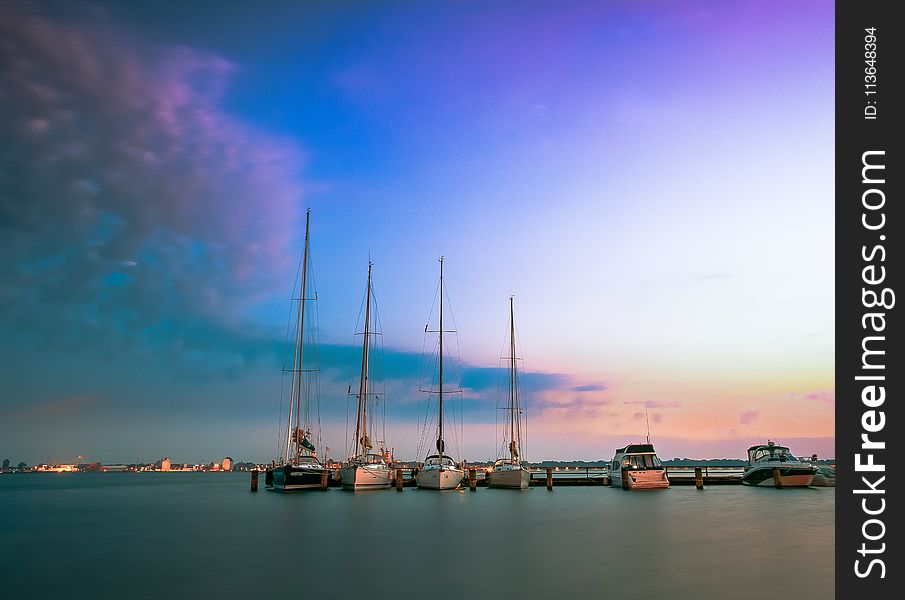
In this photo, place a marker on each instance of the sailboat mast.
(440, 388)
(301, 337)
(361, 423)
(513, 407)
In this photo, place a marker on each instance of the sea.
(206, 535)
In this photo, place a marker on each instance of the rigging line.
(286, 346)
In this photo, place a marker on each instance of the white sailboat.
(365, 469)
(510, 470)
(439, 471)
(300, 468)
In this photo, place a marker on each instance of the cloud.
(557, 406)
(656, 403)
(592, 387)
(748, 416)
(131, 199)
(825, 397)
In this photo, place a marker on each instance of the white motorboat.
(636, 467)
(766, 459)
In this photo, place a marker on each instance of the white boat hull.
(366, 477)
(786, 480)
(510, 478)
(647, 479)
(432, 478)
(790, 475)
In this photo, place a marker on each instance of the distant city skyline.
(653, 183)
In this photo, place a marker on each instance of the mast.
(513, 398)
(440, 439)
(361, 423)
(301, 338)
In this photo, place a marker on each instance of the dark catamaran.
(300, 468)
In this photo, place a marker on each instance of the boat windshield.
(773, 454)
(306, 460)
(375, 459)
(641, 461)
(435, 460)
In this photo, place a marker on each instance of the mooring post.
(254, 480)
(549, 478)
(324, 475)
(398, 480)
(698, 478)
(472, 479)
(777, 478)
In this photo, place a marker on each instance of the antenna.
(648, 424)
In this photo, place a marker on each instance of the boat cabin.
(506, 464)
(636, 457)
(768, 453)
(636, 466)
(434, 461)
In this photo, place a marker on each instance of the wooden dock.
(552, 477)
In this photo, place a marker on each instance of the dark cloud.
(593, 387)
(130, 199)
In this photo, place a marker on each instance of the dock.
(551, 477)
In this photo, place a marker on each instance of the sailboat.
(365, 470)
(439, 471)
(299, 466)
(511, 471)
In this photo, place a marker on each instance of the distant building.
(227, 464)
(166, 464)
(115, 468)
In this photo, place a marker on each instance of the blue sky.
(652, 183)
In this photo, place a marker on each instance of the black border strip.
(868, 253)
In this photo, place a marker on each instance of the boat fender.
(625, 480)
(268, 477)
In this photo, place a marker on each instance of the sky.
(652, 182)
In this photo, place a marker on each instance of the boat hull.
(517, 479)
(358, 477)
(439, 479)
(289, 478)
(824, 477)
(645, 479)
(789, 476)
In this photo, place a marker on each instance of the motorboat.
(765, 460)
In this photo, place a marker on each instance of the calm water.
(204, 535)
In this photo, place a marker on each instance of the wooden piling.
(254, 480)
(698, 478)
(777, 478)
(472, 480)
(549, 478)
(324, 479)
(398, 480)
